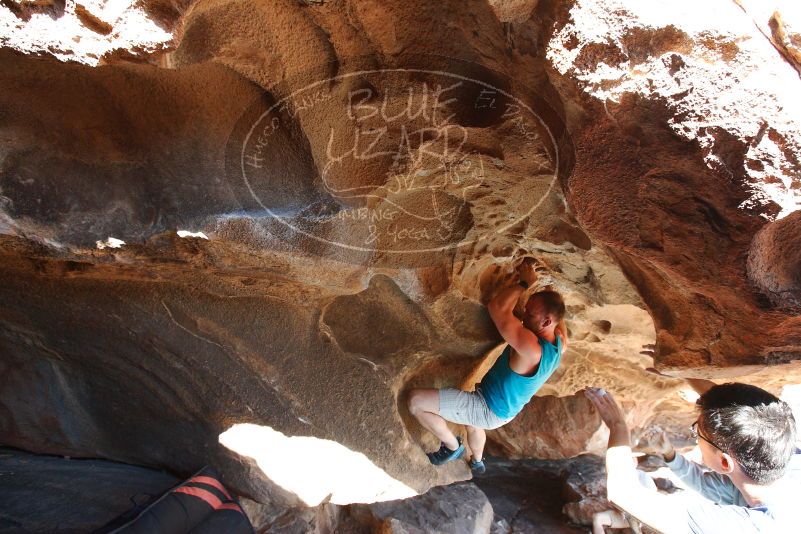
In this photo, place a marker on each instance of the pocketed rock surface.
(352, 182)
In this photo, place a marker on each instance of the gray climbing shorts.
(468, 408)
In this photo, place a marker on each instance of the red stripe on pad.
(205, 495)
(211, 482)
(209, 497)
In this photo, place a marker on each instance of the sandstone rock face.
(778, 20)
(675, 179)
(551, 427)
(91, 32)
(291, 213)
(545, 496)
(523, 496)
(774, 262)
(513, 10)
(456, 508)
(323, 519)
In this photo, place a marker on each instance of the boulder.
(455, 508)
(282, 216)
(545, 496)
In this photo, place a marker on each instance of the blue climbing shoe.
(445, 455)
(477, 467)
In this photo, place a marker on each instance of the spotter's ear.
(726, 462)
(547, 322)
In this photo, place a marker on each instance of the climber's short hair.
(553, 303)
(754, 426)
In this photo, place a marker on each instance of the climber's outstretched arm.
(506, 299)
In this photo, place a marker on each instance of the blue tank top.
(506, 391)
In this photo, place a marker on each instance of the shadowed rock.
(368, 176)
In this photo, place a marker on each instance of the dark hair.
(553, 303)
(754, 426)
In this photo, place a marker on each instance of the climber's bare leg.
(424, 406)
(476, 438)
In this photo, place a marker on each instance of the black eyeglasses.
(696, 435)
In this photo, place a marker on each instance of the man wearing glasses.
(752, 479)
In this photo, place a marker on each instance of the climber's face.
(536, 318)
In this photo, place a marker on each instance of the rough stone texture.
(774, 262)
(551, 427)
(454, 508)
(676, 180)
(513, 10)
(59, 495)
(637, 187)
(787, 38)
(545, 496)
(92, 32)
(778, 20)
(166, 361)
(323, 519)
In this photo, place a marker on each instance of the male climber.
(534, 348)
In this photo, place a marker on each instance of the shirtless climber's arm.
(501, 310)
